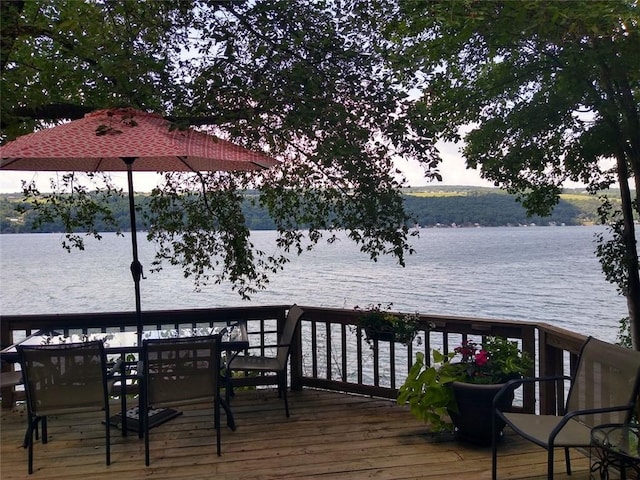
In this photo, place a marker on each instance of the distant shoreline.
(427, 207)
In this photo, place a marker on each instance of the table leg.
(123, 394)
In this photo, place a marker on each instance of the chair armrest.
(516, 382)
(539, 379)
(594, 411)
(256, 347)
(589, 411)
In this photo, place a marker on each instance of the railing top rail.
(440, 323)
(98, 319)
(561, 338)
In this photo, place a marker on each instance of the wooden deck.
(329, 435)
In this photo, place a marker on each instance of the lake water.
(545, 274)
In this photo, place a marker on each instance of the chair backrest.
(290, 325)
(181, 370)
(607, 375)
(64, 378)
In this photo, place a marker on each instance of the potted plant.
(456, 392)
(379, 323)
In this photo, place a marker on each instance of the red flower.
(482, 357)
(467, 350)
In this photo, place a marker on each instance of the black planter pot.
(472, 421)
(381, 334)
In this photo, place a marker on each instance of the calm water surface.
(547, 274)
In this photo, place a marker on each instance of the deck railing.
(330, 350)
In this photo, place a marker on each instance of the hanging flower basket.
(382, 325)
(384, 334)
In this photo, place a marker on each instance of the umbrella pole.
(136, 266)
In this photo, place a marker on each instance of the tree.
(541, 92)
(307, 82)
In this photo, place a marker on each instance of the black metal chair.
(180, 371)
(603, 390)
(277, 364)
(61, 380)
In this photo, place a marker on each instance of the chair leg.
(550, 462)
(32, 427)
(567, 460)
(45, 434)
(228, 383)
(494, 448)
(145, 422)
(216, 421)
(107, 434)
(144, 416)
(286, 403)
(216, 409)
(28, 442)
(36, 430)
(282, 387)
(140, 408)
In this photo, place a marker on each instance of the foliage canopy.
(541, 92)
(308, 83)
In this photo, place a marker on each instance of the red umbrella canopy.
(126, 139)
(100, 141)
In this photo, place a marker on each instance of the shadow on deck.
(329, 435)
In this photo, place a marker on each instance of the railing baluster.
(327, 329)
(359, 356)
(314, 349)
(343, 346)
(392, 364)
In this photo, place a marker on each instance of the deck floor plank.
(328, 436)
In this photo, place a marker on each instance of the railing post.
(6, 339)
(529, 393)
(551, 365)
(295, 358)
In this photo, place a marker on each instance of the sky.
(452, 169)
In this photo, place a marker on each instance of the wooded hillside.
(427, 206)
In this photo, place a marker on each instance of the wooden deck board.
(328, 436)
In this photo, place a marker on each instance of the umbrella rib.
(97, 167)
(10, 161)
(260, 165)
(184, 160)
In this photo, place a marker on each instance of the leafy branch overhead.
(541, 92)
(304, 82)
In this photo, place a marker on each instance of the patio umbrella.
(127, 139)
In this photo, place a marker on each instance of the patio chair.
(180, 371)
(602, 390)
(61, 380)
(270, 364)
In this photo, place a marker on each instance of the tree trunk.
(631, 252)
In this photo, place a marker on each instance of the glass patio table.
(124, 344)
(617, 446)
